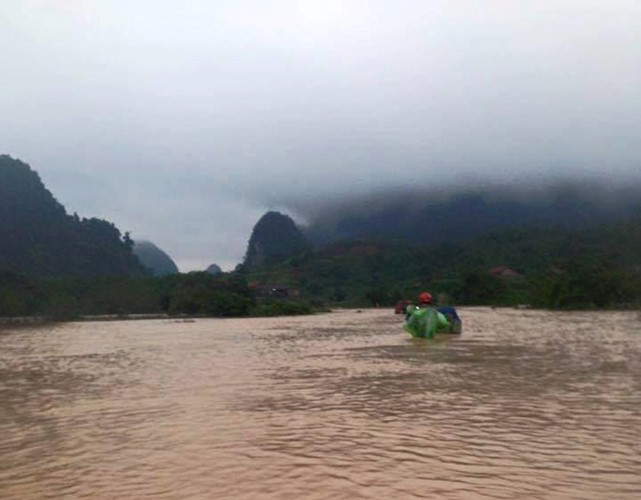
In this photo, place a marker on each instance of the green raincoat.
(425, 322)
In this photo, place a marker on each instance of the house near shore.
(274, 291)
(505, 273)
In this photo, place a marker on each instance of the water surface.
(525, 404)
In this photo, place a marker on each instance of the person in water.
(424, 320)
(425, 299)
(455, 325)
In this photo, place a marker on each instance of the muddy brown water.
(525, 404)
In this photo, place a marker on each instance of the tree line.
(192, 294)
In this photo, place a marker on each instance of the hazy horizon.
(184, 123)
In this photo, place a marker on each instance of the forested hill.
(555, 267)
(38, 237)
(274, 237)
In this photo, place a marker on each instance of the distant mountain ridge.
(39, 237)
(154, 259)
(555, 268)
(213, 269)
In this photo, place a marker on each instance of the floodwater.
(524, 404)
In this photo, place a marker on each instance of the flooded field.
(525, 404)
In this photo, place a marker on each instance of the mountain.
(214, 270)
(154, 259)
(39, 237)
(274, 238)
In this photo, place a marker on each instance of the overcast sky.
(183, 121)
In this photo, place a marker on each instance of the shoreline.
(39, 320)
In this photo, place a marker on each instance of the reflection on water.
(524, 404)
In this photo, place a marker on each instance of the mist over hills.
(564, 246)
(557, 268)
(424, 217)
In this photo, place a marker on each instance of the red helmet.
(425, 298)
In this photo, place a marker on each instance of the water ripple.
(338, 405)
